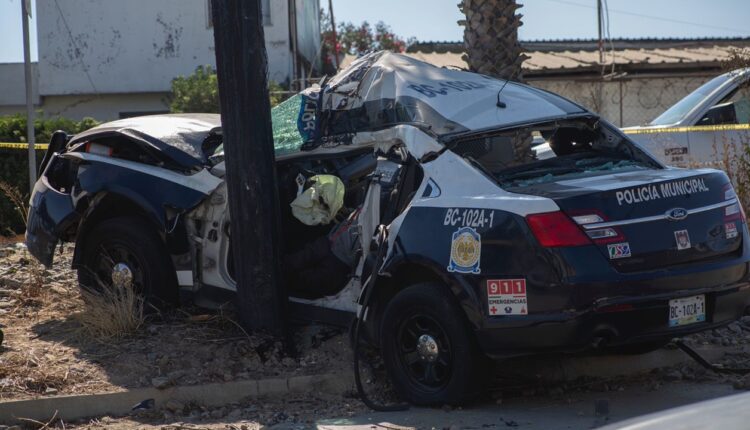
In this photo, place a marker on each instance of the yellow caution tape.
(8, 145)
(726, 127)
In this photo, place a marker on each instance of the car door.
(722, 132)
(668, 145)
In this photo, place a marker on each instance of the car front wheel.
(126, 251)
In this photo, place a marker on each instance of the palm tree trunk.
(491, 38)
(492, 48)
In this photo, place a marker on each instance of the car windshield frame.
(680, 110)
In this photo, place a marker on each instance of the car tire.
(129, 241)
(425, 319)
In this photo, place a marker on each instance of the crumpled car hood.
(180, 136)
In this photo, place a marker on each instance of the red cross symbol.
(493, 310)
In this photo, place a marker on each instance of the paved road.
(575, 411)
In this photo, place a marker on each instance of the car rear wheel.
(124, 250)
(428, 348)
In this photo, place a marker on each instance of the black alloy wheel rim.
(112, 253)
(428, 369)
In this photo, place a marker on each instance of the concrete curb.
(120, 403)
(540, 368)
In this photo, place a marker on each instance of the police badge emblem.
(466, 247)
(683, 239)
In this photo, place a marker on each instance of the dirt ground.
(584, 403)
(46, 351)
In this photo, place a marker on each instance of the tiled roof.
(582, 56)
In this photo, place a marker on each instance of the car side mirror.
(719, 114)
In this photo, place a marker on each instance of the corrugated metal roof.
(557, 57)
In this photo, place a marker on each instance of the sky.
(11, 35)
(435, 20)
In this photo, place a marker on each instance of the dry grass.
(733, 157)
(18, 200)
(33, 291)
(31, 371)
(47, 351)
(111, 311)
(737, 59)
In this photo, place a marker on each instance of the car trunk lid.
(652, 219)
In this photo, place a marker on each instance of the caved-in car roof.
(376, 91)
(384, 89)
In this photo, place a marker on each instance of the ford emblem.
(677, 214)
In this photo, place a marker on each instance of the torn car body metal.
(589, 242)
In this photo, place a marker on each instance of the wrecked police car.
(471, 243)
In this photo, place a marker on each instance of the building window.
(265, 11)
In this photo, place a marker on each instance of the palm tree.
(492, 48)
(491, 38)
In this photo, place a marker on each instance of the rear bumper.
(610, 322)
(50, 213)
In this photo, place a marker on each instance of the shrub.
(199, 92)
(734, 156)
(14, 171)
(13, 127)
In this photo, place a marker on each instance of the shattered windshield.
(570, 150)
(286, 137)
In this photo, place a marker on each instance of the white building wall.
(136, 46)
(105, 107)
(13, 85)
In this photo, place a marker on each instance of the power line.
(609, 36)
(660, 18)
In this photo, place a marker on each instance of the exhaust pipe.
(602, 337)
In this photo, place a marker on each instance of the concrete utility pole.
(335, 37)
(241, 65)
(30, 138)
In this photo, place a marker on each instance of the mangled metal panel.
(383, 89)
(185, 132)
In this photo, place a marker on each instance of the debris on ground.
(47, 352)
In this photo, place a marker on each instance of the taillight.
(734, 211)
(96, 148)
(555, 229)
(602, 235)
